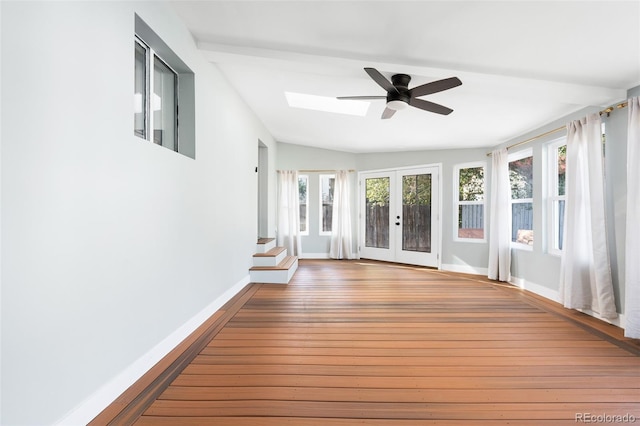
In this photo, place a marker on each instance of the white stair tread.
(274, 252)
(286, 264)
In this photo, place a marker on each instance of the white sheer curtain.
(288, 212)
(341, 236)
(500, 220)
(632, 250)
(585, 272)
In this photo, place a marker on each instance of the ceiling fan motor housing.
(401, 83)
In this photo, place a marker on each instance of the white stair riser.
(263, 248)
(269, 260)
(274, 276)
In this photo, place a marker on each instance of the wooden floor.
(368, 343)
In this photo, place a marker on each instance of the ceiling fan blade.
(388, 113)
(435, 87)
(430, 106)
(360, 97)
(381, 80)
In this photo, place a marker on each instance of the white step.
(271, 258)
(265, 244)
(280, 274)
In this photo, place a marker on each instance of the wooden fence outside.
(521, 218)
(416, 227)
(472, 216)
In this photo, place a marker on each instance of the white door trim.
(436, 239)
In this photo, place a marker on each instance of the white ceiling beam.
(478, 83)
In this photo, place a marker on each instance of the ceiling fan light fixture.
(399, 96)
(397, 105)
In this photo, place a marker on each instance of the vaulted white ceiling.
(522, 63)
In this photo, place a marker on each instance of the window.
(326, 203)
(163, 86)
(140, 95)
(303, 194)
(557, 157)
(521, 178)
(469, 202)
(155, 111)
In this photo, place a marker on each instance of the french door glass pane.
(140, 91)
(416, 213)
(377, 212)
(164, 105)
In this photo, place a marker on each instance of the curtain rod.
(604, 111)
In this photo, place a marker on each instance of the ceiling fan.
(399, 96)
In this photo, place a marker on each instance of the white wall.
(109, 243)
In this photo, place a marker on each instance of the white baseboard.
(618, 322)
(321, 256)
(92, 406)
(464, 269)
(314, 256)
(538, 289)
(554, 295)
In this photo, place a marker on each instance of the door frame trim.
(438, 243)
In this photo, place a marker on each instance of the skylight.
(327, 104)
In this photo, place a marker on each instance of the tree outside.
(562, 168)
(471, 182)
(521, 177)
(416, 190)
(377, 191)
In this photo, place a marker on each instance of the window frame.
(552, 196)
(457, 202)
(144, 97)
(182, 112)
(148, 110)
(321, 230)
(306, 222)
(515, 156)
(176, 101)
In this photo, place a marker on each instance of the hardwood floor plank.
(612, 371)
(394, 411)
(425, 336)
(407, 344)
(323, 421)
(410, 361)
(411, 382)
(399, 395)
(407, 352)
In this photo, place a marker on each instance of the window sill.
(520, 246)
(470, 240)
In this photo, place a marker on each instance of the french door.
(399, 215)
